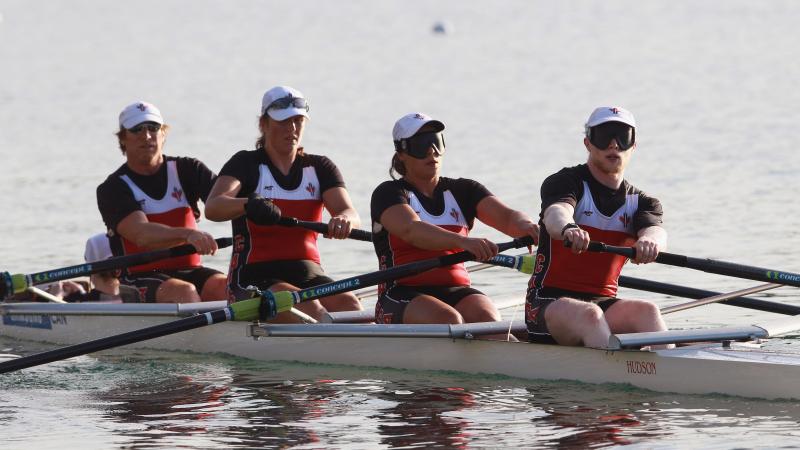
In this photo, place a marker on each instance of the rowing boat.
(722, 364)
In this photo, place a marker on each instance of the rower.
(150, 203)
(253, 188)
(572, 294)
(103, 286)
(422, 215)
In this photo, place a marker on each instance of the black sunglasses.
(601, 135)
(149, 126)
(288, 102)
(419, 144)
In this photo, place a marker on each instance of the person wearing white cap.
(422, 215)
(571, 297)
(255, 186)
(103, 286)
(151, 202)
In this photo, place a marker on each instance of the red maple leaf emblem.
(531, 314)
(454, 214)
(625, 219)
(177, 194)
(311, 189)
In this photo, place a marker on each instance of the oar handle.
(269, 304)
(319, 227)
(13, 284)
(525, 264)
(708, 265)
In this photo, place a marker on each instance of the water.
(712, 85)
(166, 400)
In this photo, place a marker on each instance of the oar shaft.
(718, 298)
(274, 303)
(709, 265)
(12, 284)
(319, 227)
(687, 292)
(524, 264)
(131, 337)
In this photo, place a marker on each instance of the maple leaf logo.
(177, 194)
(454, 214)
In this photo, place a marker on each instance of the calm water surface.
(713, 87)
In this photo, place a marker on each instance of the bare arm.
(556, 217)
(222, 203)
(401, 220)
(150, 235)
(497, 215)
(344, 216)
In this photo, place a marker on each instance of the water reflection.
(168, 400)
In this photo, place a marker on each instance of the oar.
(263, 307)
(708, 265)
(719, 298)
(14, 284)
(524, 264)
(687, 292)
(319, 227)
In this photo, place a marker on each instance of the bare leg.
(479, 308)
(635, 316)
(427, 309)
(576, 322)
(215, 288)
(176, 291)
(341, 302)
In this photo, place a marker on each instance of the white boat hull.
(696, 369)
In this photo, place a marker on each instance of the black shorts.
(300, 273)
(537, 302)
(147, 283)
(392, 304)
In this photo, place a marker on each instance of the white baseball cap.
(408, 125)
(292, 109)
(97, 248)
(139, 112)
(605, 114)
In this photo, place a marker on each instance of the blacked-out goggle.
(149, 126)
(288, 102)
(419, 144)
(601, 135)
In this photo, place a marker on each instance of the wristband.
(567, 227)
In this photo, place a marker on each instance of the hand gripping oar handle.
(319, 227)
(525, 264)
(13, 284)
(245, 310)
(273, 303)
(708, 265)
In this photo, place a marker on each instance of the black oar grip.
(288, 222)
(595, 246)
(188, 249)
(519, 242)
(319, 227)
(361, 235)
